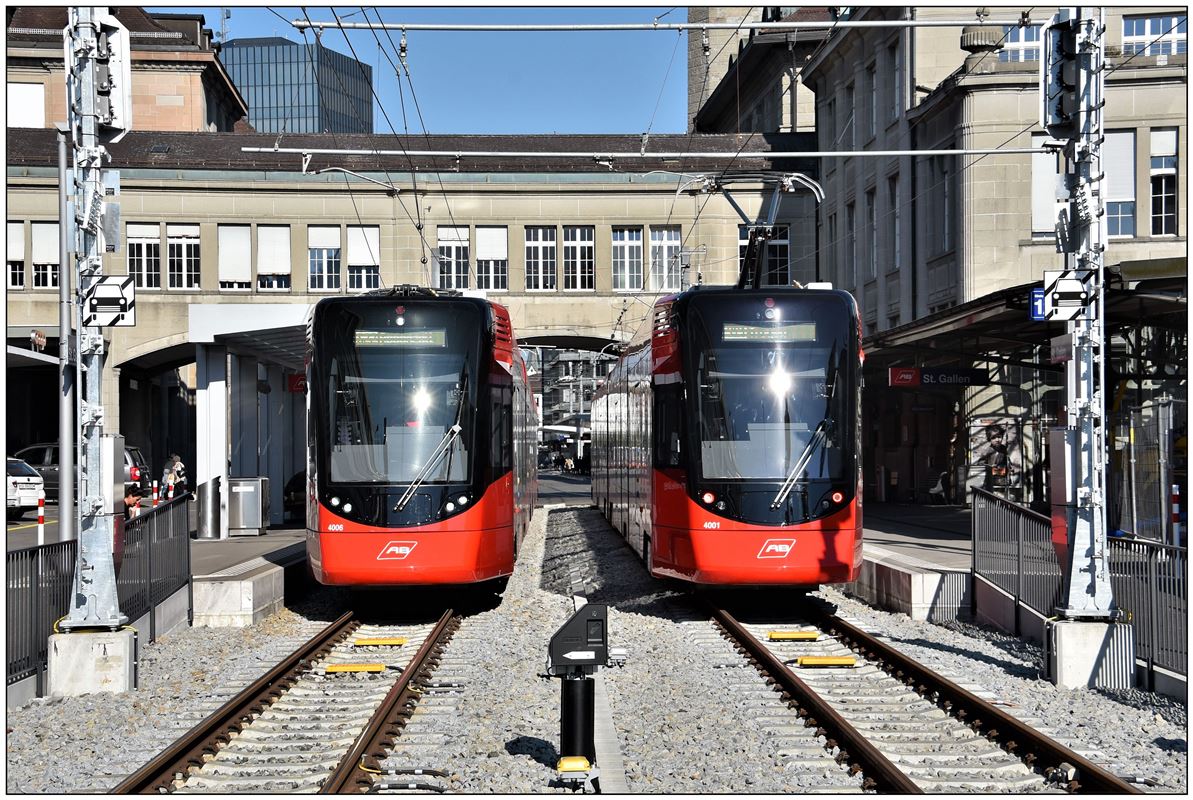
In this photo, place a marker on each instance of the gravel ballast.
(690, 716)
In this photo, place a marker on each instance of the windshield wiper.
(801, 465)
(437, 455)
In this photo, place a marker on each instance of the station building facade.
(229, 250)
(941, 251)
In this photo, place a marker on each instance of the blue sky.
(524, 82)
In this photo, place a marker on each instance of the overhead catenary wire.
(678, 26)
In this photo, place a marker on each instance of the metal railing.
(1141, 493)
(155, 559)
(1151, 585)
(38, 593)
(153, 562)
(1012, 548)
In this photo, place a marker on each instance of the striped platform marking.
(355, 668)
(381, 641)
(793, 636)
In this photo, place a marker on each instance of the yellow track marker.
(573, 764)
(825, 661)
(793, 636)
(392, 641)
(355, 668)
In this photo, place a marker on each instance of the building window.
(830, 126)
(144, 256)
(45, 255)
(778, 253)
(182, 256)
(273, 258)
(872, 110)
(941, 198)
(323, 258)
(26, 103)
(235, 243)
(15, 245)
(1020, 44)
(1043, 188)
(453, 257)
(364, 257)
(895, 63)
(627, 259)
(1155, 36)
(540, 259)
(579, 258)
(492, 258)
(665, 245)
(851, 112)
(830, 249)
(851, 244)
(895, 216)
(872, 224)
(1118, 162)
(1163, 182)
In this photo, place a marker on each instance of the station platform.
(239, 581)
(916, 560)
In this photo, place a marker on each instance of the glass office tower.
(300, 88)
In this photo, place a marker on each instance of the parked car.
(24, 485)
(44, 458)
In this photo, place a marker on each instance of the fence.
(1012, 548)
(1151, 584)
(1149, 466)
(153, 562)
(38, 593)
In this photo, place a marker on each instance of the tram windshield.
(772, 373)
(392, 391)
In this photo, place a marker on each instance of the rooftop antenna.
(225, 15)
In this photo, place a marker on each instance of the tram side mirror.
(582, 644)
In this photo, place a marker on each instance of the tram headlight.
(335, 502)
(720, 505)
(462, 499)
(422, 400)
(837, 497)
(347, 508)
(450, 507)
(708, 498)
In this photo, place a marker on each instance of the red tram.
(726, 439)
(421, 440)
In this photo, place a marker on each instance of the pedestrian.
(179, 474)
(168, 471)
(132, 504)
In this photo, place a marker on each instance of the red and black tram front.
(756, 444)
(409, 443)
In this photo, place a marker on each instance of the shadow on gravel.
(540, 750)
(584, 555)
(1029, 671)
(418, 603)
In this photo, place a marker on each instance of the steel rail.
(1037, 750)
(206, 737)
(353, 775)
(880, 774)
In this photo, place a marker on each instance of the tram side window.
(501, 433)
(668, 426)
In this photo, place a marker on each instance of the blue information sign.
(1036, 311)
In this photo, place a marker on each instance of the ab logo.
(396, 551)
(776, 548)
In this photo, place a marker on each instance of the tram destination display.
(427, 337)
(763, 332)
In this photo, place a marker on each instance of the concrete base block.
(1087, 654)
(86, 662)
(237, 601)
(905, 585)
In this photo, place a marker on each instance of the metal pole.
(1164, 501)
(1087, 591)
(1131, 473)
(1019, 570)
(66, 377)
(95, 600)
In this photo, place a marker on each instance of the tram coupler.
(575, 653)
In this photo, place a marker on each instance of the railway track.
(905, 728)
(322, 720)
